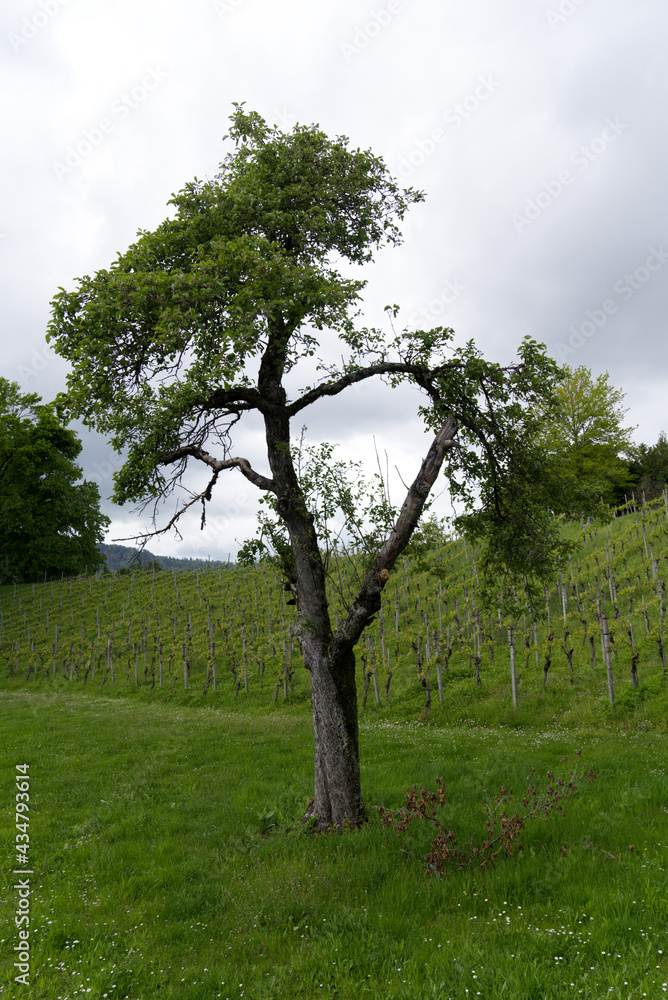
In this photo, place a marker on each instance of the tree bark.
(337, 793)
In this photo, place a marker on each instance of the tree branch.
(237, 398)
(198, 498)
(194, 451)
(423, 375)
(367, 602)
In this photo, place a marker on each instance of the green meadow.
(168, 740)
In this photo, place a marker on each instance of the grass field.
(167, 854)
(170, 861)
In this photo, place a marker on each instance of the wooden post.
(396, 612)
(634, 656)
(477, 647)
(372, 660)
(563, 597)
(644, 533)
(245, 662)
(439, 678)
(290, 652)
(662, 650)
(213, 664)
(285, 668)
(389, 677)
(513, 677)
(605, 642)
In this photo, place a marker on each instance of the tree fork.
(337, 797)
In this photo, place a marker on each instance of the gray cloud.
(485, 106)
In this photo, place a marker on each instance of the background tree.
(588, 437)
(49, 522)
(198, 324)
(649, 469)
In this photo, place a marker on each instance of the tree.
(588, 437)
(49, 522)
(649, 469)
(165, 343)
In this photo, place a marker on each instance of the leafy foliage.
(586, 435)
(197, 298)
(512, 488)
(649, 469)
(49, 522)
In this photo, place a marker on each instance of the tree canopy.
(50, 523)
(587, 437)
(199, 322)
(649, 468)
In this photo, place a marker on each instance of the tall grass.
(170, 860)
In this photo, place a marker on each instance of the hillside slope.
(231, 633)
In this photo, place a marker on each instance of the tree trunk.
(330, 659)
(337, 791)
(337, 794)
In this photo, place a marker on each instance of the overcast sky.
(536, 128)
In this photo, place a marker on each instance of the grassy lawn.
(169, 860)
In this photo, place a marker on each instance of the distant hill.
(121, 556)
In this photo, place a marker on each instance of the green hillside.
(156, 734)
(228, 634)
